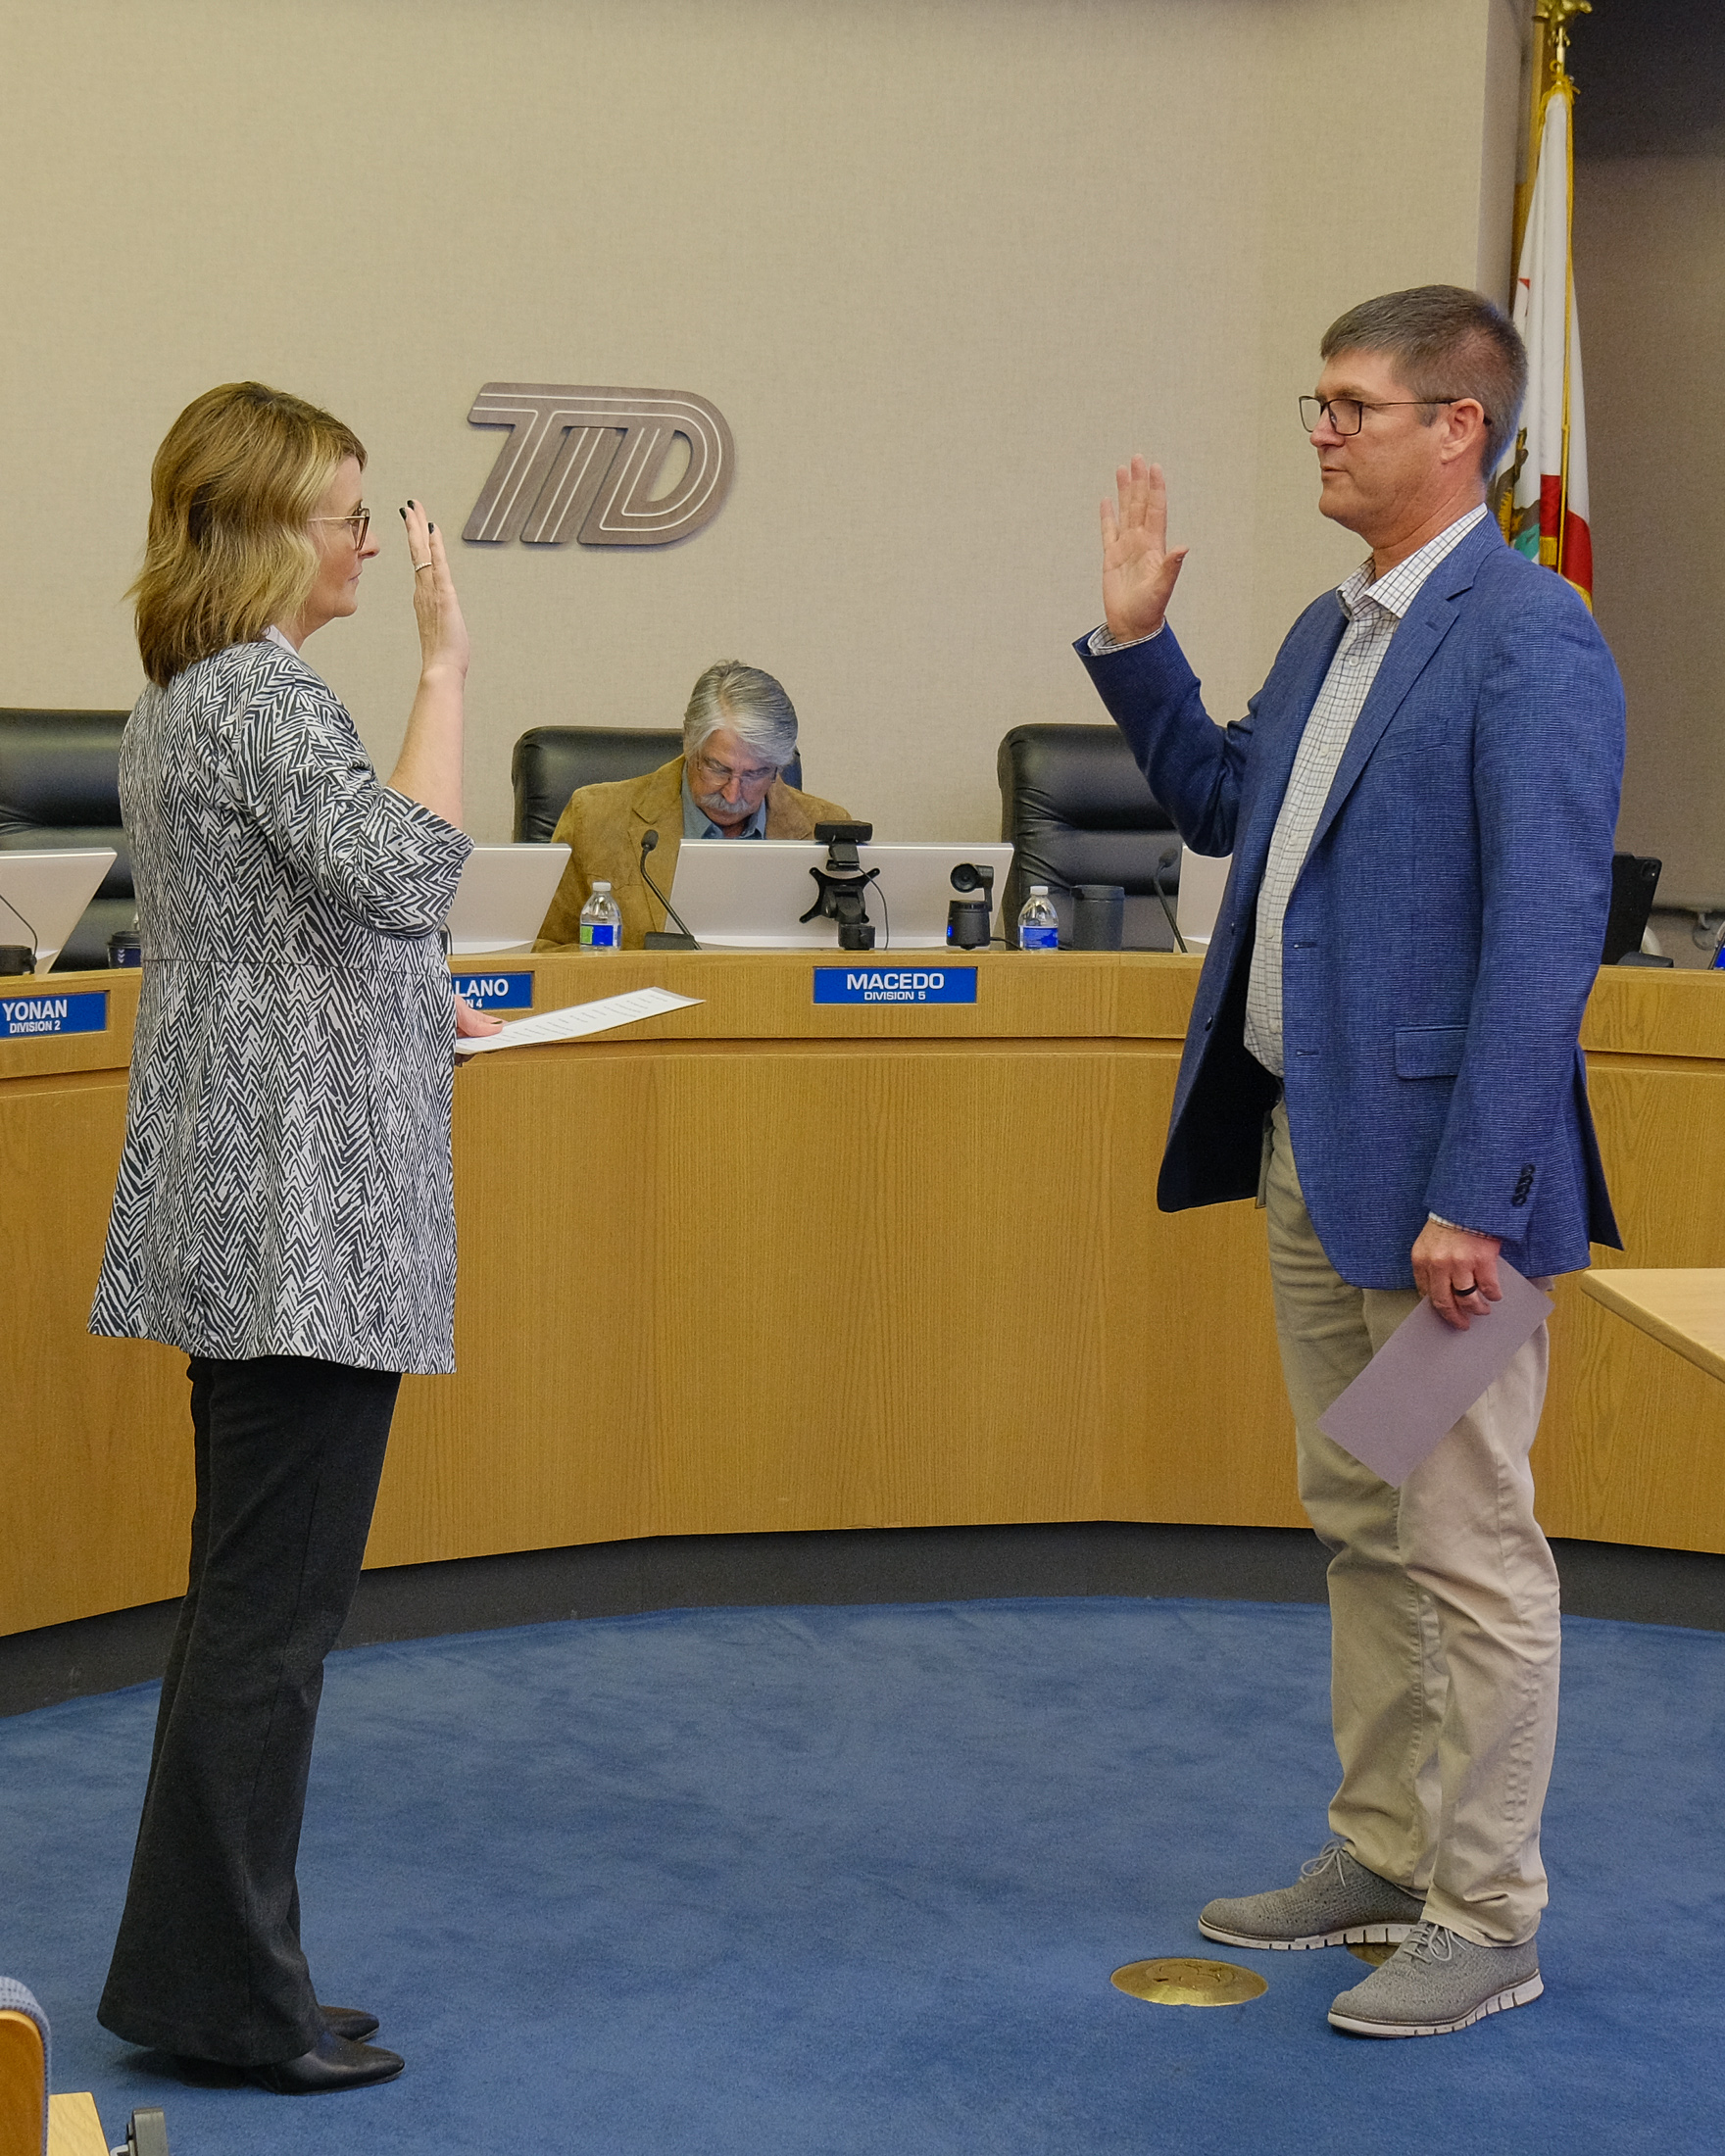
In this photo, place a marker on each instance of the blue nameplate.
(27, 1015)
(495, 991)
(895, 984)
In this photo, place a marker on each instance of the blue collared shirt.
(697, 824)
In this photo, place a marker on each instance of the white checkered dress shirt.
(1374, 613)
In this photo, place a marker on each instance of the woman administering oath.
(284, 1210)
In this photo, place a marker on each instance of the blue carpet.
(826, 1881)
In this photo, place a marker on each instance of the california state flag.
(1541, 489)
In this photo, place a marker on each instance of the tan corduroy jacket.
(602, 827)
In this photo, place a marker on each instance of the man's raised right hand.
(1138, 571)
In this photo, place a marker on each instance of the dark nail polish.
(403, 514)
(430, 527)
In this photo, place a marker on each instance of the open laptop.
(42, 895)
(1202, 879)
(503, 897)
(746, 893)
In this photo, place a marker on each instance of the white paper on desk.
(578, 1020)
(1427, 1375)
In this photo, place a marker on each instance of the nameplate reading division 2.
(494, 991)
(24, 1017)
(895, 984)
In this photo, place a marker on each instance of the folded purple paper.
(1427, 1375)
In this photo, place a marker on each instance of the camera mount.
(841, 885)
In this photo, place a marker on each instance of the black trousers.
(207, 1961)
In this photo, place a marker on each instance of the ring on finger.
(418, 565)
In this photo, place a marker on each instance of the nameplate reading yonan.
(895, 984)
(26, 1016)
(494, 991)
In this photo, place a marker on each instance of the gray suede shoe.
(1335, 1902)
(1436, 1984)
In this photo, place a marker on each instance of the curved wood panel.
(763, 1263)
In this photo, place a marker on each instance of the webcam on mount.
(841, 885)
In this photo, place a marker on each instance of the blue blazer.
(1444, 933)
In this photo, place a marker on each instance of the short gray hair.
(752, 704)
(1446, 342)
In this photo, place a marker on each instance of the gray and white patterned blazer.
(285, 1188)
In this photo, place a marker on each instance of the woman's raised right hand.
(443, 634)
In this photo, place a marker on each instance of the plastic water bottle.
(1039, 927)
(601, 921)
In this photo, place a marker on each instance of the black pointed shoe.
(331, 2064)
(351, 2021)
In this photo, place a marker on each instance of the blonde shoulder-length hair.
(231, 493)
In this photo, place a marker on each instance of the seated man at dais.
(739, 732)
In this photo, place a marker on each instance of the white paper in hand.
(578, 1020)
(1427, 1375)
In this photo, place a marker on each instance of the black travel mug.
(1099, 916)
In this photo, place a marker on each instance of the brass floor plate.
(1374, 1950)
(1178, 1981)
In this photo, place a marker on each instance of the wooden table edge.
(1603, 1288)
(75, 2126)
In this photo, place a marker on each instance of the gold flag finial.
(1557, 16)
(1551, 49)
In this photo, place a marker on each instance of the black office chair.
(1635, 877)
(1076, 810)
(60, 787)
(551, 762)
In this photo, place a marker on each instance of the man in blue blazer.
(1420, 807)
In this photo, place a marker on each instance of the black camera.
(967, 917)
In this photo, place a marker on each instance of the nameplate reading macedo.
(23, 1017)
(895, 984)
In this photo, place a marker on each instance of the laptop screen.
(748, 894)
(503, 897)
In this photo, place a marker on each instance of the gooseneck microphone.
(659, 943)
(18, 959)
(1172, 855)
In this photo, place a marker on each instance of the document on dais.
(578, 1020)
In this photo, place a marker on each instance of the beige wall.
(940, 262)
(1649, 254)
(1650, 281)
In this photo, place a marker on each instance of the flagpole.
(1550, 43)
(1539, 484)
(1564, 88)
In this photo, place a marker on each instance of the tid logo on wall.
(584, 464)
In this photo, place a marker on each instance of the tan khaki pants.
(1444, 1614)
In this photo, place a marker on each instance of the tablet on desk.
(503, 897)
(44, 895)
(747, 894)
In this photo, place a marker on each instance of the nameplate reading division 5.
(24, 1017)
(895, 984)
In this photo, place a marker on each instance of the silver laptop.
(48, 890)
(1202, 879)
(503, 897)
(746, 893)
